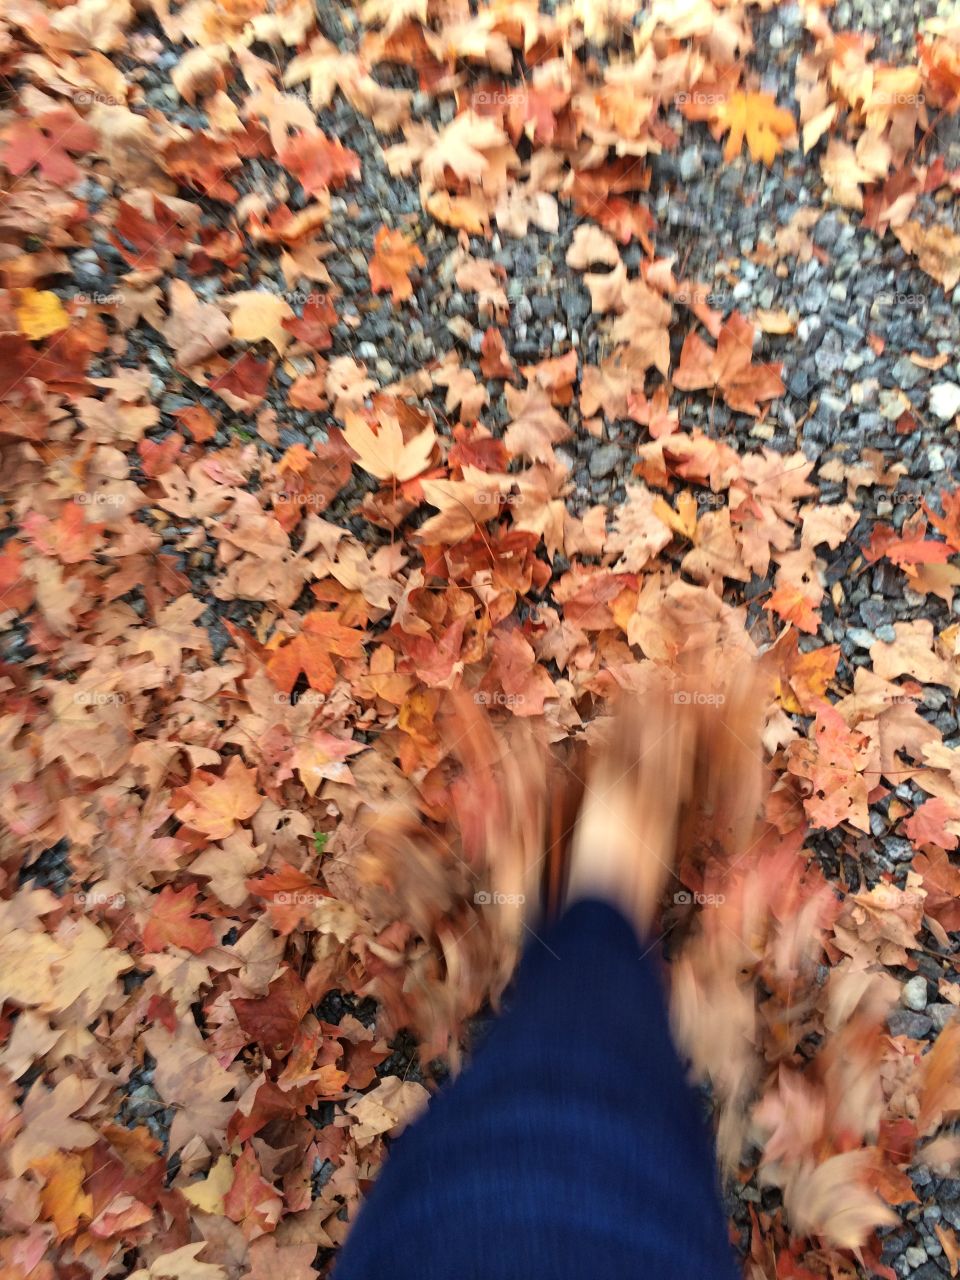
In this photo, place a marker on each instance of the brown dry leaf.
(535, 425)
(639, 533)
(834, 1200)
(258, 316)
(394, 257)
(194, 329)
(388, 1108)
(383, 453)
(589, 246)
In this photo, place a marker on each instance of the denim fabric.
(571, 1145)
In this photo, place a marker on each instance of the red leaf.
(172, 923)
(272, 1021)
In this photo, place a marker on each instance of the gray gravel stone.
(904, 1022)
(945, 400)
(604, 461)
(913, 994)
(941, 1014)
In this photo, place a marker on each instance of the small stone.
(876, 613)
(904, 1022)
(916, 1256)
(914, 994)
(945, 400)
(604, 461)
(861, 638)
(941, 1014)
(935, 458)
(691, 164)
(898, 849)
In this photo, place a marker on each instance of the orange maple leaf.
(756, 117)
(214, 805)
(319, 162)
(173, 924)
(730, 367)
(394, 257)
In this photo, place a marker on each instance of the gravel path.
(859, 309)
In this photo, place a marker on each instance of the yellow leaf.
(63, 1199)
(684, 519)
(207, 1194)
(258, 317)
(756, 117)
(40, 313)
(384, 453)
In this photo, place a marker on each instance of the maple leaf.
(730, 367)
(941, 880)
(320, 163)
(313, 327)
(936, 822)
(322, 635)
(63, 1199)
(241, 384)
(834, 764)
(535, 425)
(181, 1264)
(384, 453)
(495, 360)
(252, 1201)
(908, 548)
(258, 316)
(589, 246)
(172, 922)
(394, 257)
(936, 248)
(48, 1123)
(388, 1108)
(757, 117)
(322, 756)
(556, 375)
(272, 1021)
(40, 313)
(194, 329)
(214, 805)
(639, 531)
(46, 142)
(462, 146)
(190, 1079)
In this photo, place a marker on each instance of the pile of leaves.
(243, 834)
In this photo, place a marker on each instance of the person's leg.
(570, 1146)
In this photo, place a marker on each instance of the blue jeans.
(570, 1147)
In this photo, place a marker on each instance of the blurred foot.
(625, 843)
